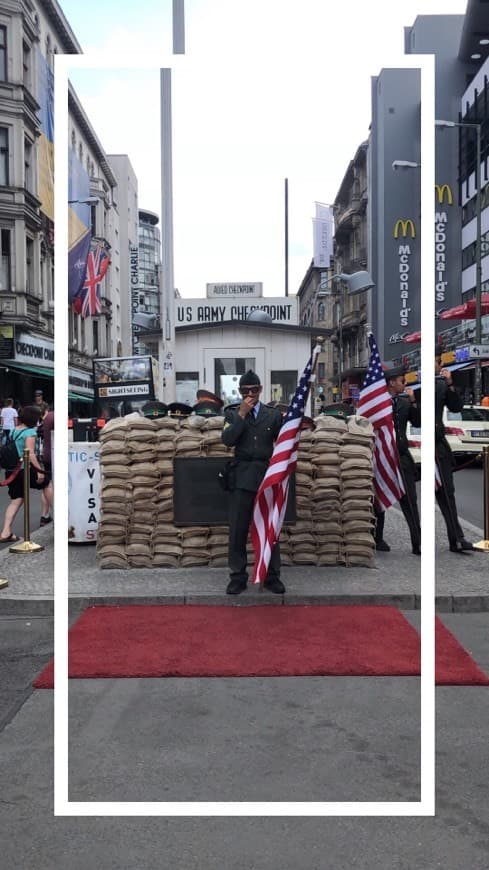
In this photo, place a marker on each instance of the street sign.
(479, 351)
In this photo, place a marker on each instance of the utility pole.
(286, 236)
(166, 346)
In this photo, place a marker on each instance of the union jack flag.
(97, 264)
(375, 403)
(271, 498)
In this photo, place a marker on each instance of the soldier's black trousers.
(445, 495)
(408, 504)
(241, 503)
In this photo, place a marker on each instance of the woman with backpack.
(24, 438)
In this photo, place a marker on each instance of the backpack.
(9, 457)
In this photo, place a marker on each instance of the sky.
(270, 89)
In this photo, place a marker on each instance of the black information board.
(198, 499)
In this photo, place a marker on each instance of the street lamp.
(357, 282)
(478, 254)
(405, 164)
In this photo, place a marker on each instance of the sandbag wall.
(334, 476)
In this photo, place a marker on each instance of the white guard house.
(216, 342)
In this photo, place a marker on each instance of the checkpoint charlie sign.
(282, 309)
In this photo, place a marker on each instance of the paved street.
(241, 739)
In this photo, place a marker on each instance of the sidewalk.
(462, 581)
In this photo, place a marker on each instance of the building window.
(29, 261)
(93, 220)
(107, 340)
(26, 65)
(95, 335)
(73, 140)
(3, 53)
(5, 260)
(83, 340)
(71, 326)
(28, 179)
(4, 156)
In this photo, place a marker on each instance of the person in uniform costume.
(251, 427)
(447, 395)
(405, 408)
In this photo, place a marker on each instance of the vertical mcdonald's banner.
(45, 82)
(79, 225)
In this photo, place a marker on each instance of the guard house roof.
(255, 324)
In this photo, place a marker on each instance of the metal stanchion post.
(484, 545)
(26, 546)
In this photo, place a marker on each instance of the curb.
(22, 606)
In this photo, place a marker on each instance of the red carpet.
(259, 641)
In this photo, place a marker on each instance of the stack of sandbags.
(194, 545)
(211, 437)
(140, 445)
(357, 520)
(217, 543)
(115, 495)
(326, 488)
(333, 494)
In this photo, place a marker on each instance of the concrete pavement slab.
(462, 581)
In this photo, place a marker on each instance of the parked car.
(467, 431)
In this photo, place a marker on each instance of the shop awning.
(78, 397)
(466, 311)
(455, 366)
(40, 371)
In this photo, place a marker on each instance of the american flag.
(97, 264)
(375, 403)
(271, 498)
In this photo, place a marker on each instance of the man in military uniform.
(251, 428)
(404, 408)
(447, 395)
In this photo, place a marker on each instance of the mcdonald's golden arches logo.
(404, 227)
(443, 189)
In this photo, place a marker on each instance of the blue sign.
(462, 354)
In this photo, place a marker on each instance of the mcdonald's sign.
(442, 190)
(404, 227)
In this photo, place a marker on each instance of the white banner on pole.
(323, 235)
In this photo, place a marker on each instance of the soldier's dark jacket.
(253, 441)
(404, 411)
(454, 402)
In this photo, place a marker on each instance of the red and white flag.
(271, 498)
(375, 403)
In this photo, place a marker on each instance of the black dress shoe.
(416, 551)
(383, 546)
(235, 586)
(273, 584)
(466, 545)
(456, 548)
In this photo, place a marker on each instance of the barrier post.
(26, 546)
(484, 544)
